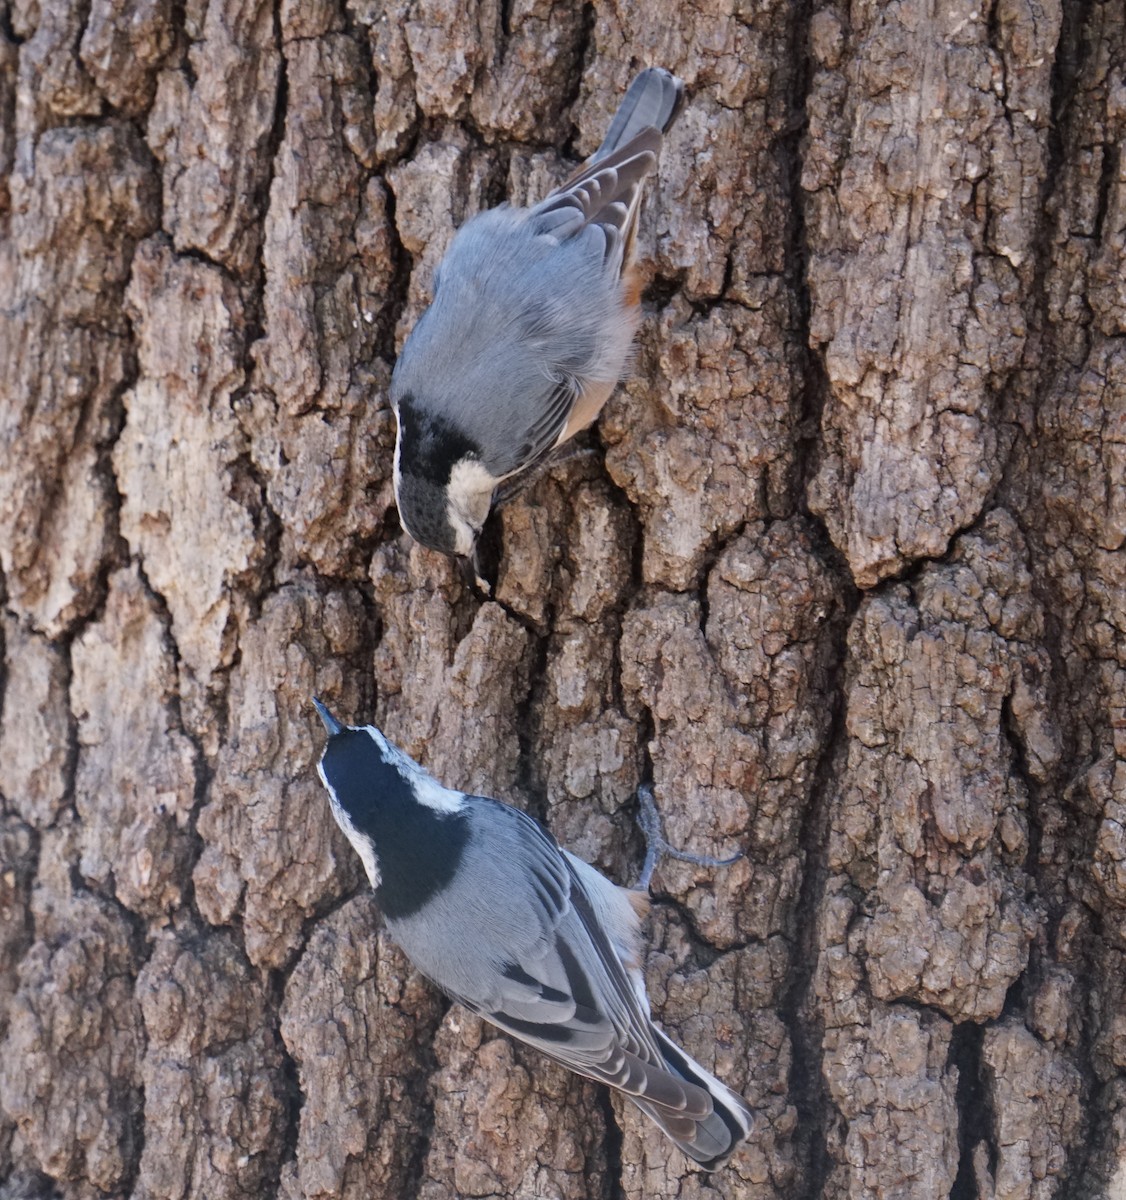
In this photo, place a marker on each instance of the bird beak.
(330, 722)
(471, 573)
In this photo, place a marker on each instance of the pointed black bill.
(481, 569)
(471, 574)
(330, 722)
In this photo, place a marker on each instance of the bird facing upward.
(487, 905)
(533, 315)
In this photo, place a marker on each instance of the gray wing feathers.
(603, 1026)
(603, 1032)
(709, 1139)
(540, 956)
(622, 1048)
(653, 98)
(544, 431)
(604, 194)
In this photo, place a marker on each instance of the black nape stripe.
(418, 848)
(430, 443)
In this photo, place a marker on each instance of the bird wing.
(604, 194)
(547, 421)
(564, 988)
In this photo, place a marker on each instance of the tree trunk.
(841, 570)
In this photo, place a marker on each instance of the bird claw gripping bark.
(649, 822)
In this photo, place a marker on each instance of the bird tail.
(653, 99)
(611, 178)
(707, 1140)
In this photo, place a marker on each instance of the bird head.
(395, 814)
(442, 487)
(350, 767)
(448, 518)
(424, 512)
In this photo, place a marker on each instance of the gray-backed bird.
(533, 315)
(487, 905)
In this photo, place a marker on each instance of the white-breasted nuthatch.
(486, 904)
(533, 315)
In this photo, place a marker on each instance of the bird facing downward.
(486, 904)
(533, 314)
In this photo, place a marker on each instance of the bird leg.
(649, 821)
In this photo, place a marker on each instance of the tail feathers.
(606, 189)
(710, 1139)
(605, 192)
(653, 99)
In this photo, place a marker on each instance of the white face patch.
(427, 790)
(360, 843)
(468, 497)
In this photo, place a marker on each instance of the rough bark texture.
(841, 571)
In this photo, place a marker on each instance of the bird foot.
(649, 821)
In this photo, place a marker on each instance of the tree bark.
(840, 570)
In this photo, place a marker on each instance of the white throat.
(360, 842)
(468, 498)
